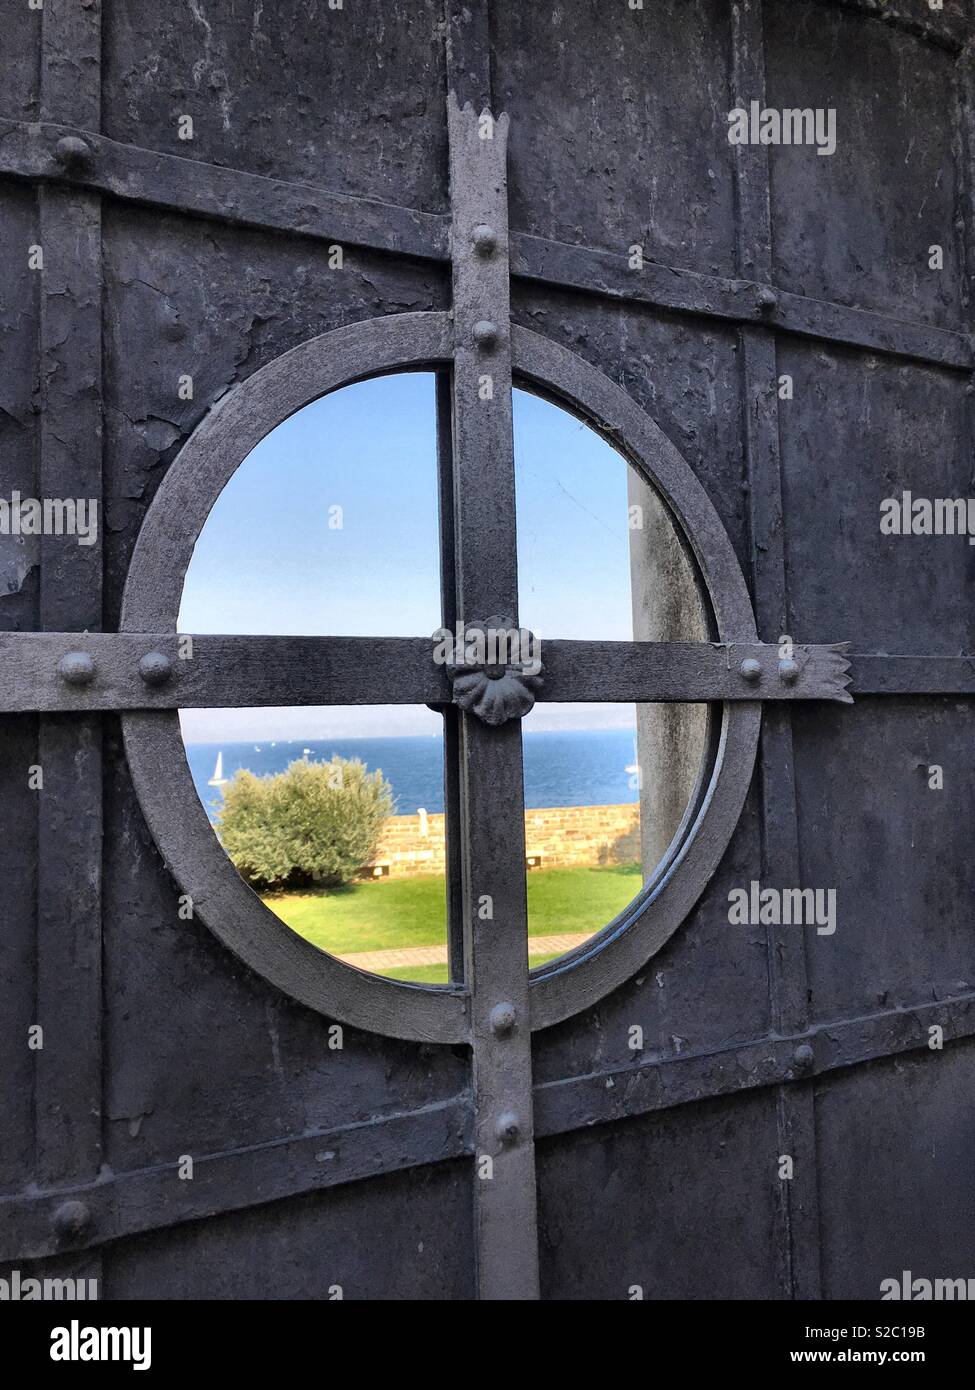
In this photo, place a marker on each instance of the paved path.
(437, 955)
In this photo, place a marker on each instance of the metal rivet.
(789, 671)
(155, 668)
(485, 240)
(72, 150)
(751, 670)
(485, 333)
(767, 300)
(803, 1057)
(508, 1128)
(77, 668)
(71, 1218)
(503, 1018)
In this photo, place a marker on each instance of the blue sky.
(269, 561)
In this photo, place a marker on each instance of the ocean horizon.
(566, 767)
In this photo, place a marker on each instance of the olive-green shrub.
(312, 823)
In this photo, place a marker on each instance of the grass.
(391, 914)
(437, 974)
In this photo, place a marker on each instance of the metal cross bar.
(52, 154)
(70, 671)
(152, 1199)
(491, 780)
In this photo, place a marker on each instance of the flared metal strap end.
(824, 672)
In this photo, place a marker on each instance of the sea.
(575, 767)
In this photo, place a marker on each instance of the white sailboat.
(218, 779)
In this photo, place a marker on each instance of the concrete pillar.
(666, 608)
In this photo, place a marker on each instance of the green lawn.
(387, 914)
(437, 974)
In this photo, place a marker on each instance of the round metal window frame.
(154, 747)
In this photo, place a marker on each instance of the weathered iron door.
(458, 1156)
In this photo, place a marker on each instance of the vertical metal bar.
(68, 1093)
(965, 174)
(798, 1242)
(491, 780)
(451, 715)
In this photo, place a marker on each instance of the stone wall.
(558, 837)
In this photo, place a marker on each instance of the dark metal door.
(772, 340)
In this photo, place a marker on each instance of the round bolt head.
(803, 1057)
(71, 1219)
(155, 668)
(767, 300)
(789, 671)
(751, 670)
(503, 1018)
(72, 150)
(485, 240)
(485, 333)
(77, 668)
(508, 1128)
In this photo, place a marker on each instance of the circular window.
(660, 524)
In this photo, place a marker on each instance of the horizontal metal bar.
(626, 671)
(40, 671)
(121, 1204)
(662, 1083)
(156, 179)
(162, 180)
(666, 672)
(877, 674)
(218, 672)
(151, 1198)
(670, 671)
(239, 671)
(741, 301)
